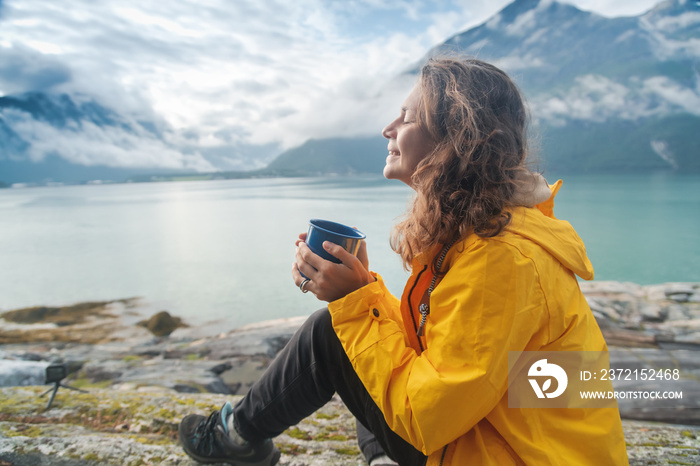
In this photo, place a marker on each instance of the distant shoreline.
(266, 173)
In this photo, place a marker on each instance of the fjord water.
(223, 250)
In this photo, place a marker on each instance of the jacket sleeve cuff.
(357, 303)
(364, 317)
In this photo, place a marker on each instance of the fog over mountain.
(618, 93)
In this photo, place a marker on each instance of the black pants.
(302, 378)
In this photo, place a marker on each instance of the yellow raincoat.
(446, 391)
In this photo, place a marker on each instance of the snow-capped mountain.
(605, 94)
(74, 139)
(63, 138)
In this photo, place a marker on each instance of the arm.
(488, 303)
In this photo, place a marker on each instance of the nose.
(389, 131)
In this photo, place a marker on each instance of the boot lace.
(204, 433)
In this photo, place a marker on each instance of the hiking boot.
(208, 440)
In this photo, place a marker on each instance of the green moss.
(334, 437)
(148, 409)
(192, 357)
(22, 430)
(297, 433)
(85, 383)
(688, 434)
(164, 413)
(291, 449)
(90, 457)
(329, 433)
(151, 440)
(347, 451)
(17, 403)
(326, 416)
(204, 407)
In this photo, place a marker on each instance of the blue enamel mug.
(325, 230)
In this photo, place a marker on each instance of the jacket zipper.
(444, 452)
(410, 306)
(424, 311)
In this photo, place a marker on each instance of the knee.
(318, 331)
(320, 323)
(321, 316)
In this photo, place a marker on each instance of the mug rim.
(358, 235)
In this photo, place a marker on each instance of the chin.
(390, 173)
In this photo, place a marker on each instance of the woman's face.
(408, 142)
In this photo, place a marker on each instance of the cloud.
(614, 8)
(674, 94)
(89, 144)
(220, 75)
(665, 48)
(515, 63)
(522, 24)
(23, 69)
(664, 152)
(262, 69)
(175, 57)
(597, 98)
(674, 23)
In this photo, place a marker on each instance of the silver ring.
(303, 284)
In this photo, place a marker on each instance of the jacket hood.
(557, 237)
(536, 222)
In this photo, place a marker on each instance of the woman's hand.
(330, 281)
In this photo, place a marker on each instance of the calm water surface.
(223, 250)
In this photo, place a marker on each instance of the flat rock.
(107, 427)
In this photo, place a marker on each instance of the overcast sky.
(226, 72)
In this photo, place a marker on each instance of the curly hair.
(476, 116)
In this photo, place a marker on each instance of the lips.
(393, 155)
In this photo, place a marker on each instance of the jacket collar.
(537, 224)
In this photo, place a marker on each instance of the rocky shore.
(142, 376)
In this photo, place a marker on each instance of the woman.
(492, 271)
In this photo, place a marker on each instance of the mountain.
(336, 155)
(54, 138)
(606, 94)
